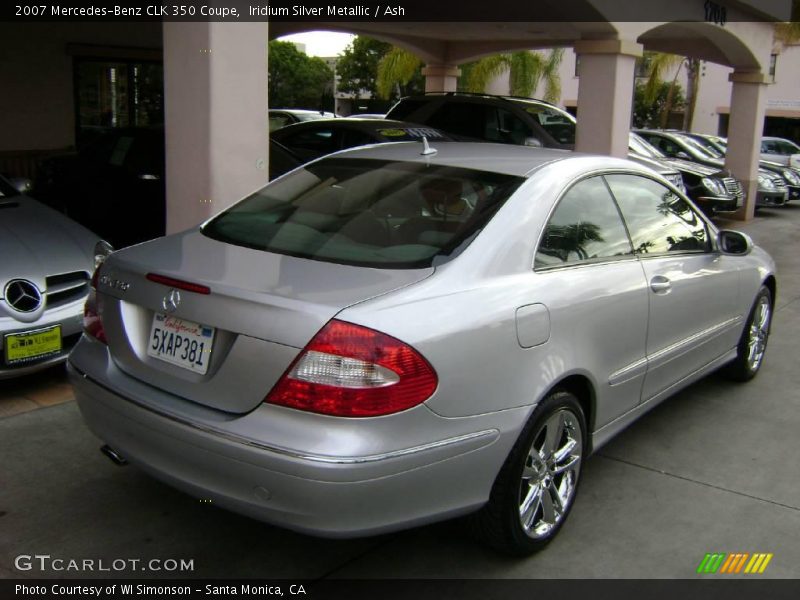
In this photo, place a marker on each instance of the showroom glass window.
(658, 220)
(116, 93)
(585, 227)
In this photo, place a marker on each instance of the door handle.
(659, 283)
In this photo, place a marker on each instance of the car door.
(590, 286)
(693, 290)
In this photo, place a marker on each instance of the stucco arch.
(709, 42)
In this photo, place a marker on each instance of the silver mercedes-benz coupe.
(400, 334)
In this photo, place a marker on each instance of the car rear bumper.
(332, 493)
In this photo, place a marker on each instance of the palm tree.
(658, 64)
(396, 68)
(526, 69)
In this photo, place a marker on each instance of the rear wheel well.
(772, 287)
(580, 387)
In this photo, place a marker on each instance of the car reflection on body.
(47, 261)
(404, 333)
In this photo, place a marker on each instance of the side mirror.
(532, 142)
(734, 242)
(22, 184)
(683, 155)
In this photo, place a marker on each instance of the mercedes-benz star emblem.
(171, 301)
(22, 295)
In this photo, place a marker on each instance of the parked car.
(281, 117)
(715, 144)
(404, 333)
(506, 120)
(780, 150)
(772, 190)
(313, 139)
(502, 119)
(114, 186)
(714, 191)
(47, 261)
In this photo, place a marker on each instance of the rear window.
(384, 214)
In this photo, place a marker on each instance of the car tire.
(753, 342)
(536, 487)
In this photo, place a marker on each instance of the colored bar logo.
(734, 563)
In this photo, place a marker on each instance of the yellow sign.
(21, 347)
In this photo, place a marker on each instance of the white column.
(441, 78)
(746, 124)
(215, 88)
(605, 95)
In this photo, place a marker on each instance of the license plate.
(32, 345)
(181, 342)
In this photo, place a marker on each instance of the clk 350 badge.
(116, 284)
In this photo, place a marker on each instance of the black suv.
(483, 117)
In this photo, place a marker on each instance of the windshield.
(700, 149)
(644, 148)
(709, 146)
(365, 212)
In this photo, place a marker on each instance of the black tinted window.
(585, 226)
(658, 220)
(367, 212)
(463, 118)
(404, 108)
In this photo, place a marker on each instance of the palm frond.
(552, 79)
(396, 67)
(660, 64)
(485, 70)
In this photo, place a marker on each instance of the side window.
(511, 129)
(585, 226)
(658, 220)
(461, 118)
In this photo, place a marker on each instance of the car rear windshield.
(376, 213)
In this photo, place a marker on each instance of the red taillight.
(352, 371)
(92, 319)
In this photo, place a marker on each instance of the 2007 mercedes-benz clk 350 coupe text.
(400, 334)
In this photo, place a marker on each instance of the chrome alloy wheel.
(550, 474)
(759, 330)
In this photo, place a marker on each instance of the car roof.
(509, 159)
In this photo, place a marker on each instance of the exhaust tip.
(113, 455)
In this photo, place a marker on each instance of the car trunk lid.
(260, 310)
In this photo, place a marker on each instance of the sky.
(321, 43)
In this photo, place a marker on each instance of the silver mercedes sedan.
(401, 334)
